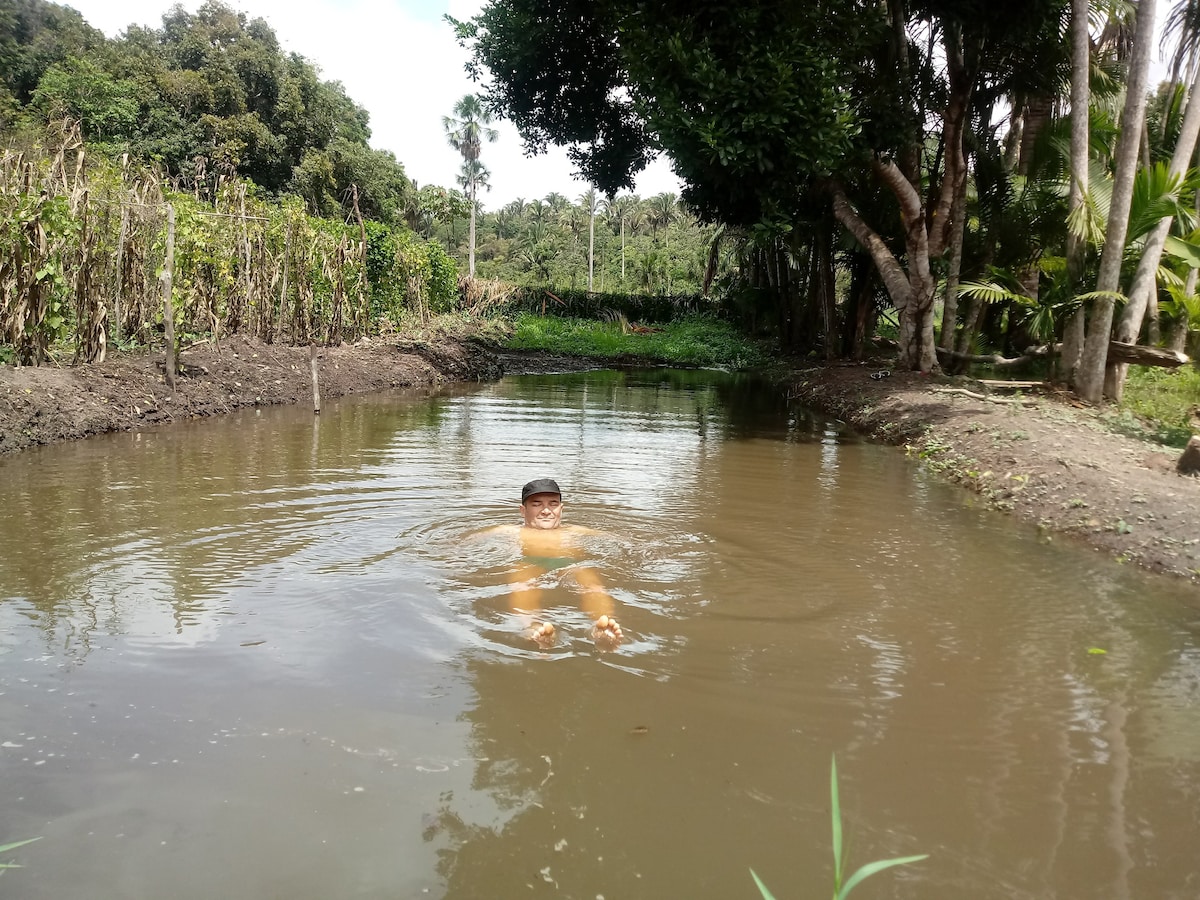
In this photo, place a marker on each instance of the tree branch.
(890, 270)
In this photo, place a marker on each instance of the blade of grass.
(835, 805)
(872, 868)
(13, 846)
(6, 847)
(767, 895)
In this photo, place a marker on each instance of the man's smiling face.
(542, 511)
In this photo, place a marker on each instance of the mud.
(1044, 457)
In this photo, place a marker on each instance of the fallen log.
(1010, 385)
(977, 396)
(1118, 352)
(1137, 355)
(996, 360)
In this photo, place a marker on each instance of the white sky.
(399, 60)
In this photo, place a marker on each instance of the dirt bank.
(1043, 458)
(47, 404)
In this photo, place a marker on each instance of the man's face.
(542, 510)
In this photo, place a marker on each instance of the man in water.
(547, 544)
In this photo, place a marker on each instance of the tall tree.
(589, 200)
(772, 111)
(466, 131)
(1089, 377)
(1081, 66)
(622, 209)
(1144, 287)
(473, 176)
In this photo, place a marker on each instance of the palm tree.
(663, 210)
(589, 201)
(622, 209)
(1089, 377)
(557, 204)
(539, 212)
(473, 176)
(466, 131)
(1081, 63)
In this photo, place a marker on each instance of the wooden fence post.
(167, 278)
(312, 365)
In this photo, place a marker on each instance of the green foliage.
(209, 93)
(1167, 399)
(443, 279)
(692, 341)
(651, 246)
(654, 308)
(242, 263)
(842, 886)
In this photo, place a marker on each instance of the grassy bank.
(1166, 400)
(691, 341)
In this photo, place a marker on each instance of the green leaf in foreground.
(767, 895)
(4, 848)
(840, 890)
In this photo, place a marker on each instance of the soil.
(1043, 457)
(46, 404)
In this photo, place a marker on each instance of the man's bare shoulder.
(581, 530)
(497, 529)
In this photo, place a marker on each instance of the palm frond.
(991, 292)
(1115, 296)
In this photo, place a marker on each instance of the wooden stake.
(312, 365)
(167, 279)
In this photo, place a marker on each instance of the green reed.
(843, 886)
(4, 848)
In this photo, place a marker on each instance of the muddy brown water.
(269, 657)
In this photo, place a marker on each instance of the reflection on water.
(274, 656)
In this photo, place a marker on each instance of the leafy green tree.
(79, 89)
(777, 114)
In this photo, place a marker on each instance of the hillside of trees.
(206, 94)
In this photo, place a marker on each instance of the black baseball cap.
(540, 486)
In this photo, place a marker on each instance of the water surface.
(272, 656)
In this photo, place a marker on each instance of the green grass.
(693, 341)
(1165, 399)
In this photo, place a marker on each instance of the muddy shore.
(1043, 458)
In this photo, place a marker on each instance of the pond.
(274, 656)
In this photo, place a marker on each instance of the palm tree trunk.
(1089, 379)
(1144, 279)
(591, 245)
(622, 251)
(950, 303)
(471, 238)
(1074, 330)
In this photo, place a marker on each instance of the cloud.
(399, 60)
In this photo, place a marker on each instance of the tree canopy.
(207, 92)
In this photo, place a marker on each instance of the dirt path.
(1048, 461)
